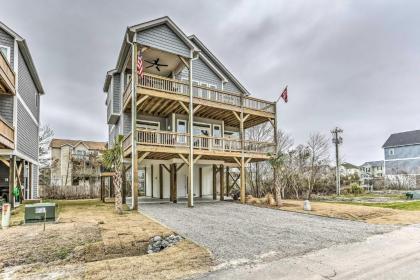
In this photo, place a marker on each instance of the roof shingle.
(92, 145)
(403, 138)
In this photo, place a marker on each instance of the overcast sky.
(354, 64)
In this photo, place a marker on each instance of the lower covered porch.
(18, 179)
(167, 181)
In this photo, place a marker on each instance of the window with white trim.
(391, 152)
(151, 125)
(6, 51)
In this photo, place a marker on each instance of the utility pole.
(337, 140)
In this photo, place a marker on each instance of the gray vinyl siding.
(126, 123)
(403, 152)
(27, 133)
(26, 87)
(399, 167)
(35, 179)
(116, 92)
(405, 160)
(163, 38)
(8, 41)
(6, 108)
(231, 87)
(111, 129)
(202, 73)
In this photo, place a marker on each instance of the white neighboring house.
(348, 169)
(371, 170)
(74, 162)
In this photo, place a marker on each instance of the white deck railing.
(155, 82)
(7, 134)
(175, 139)
(7, 75)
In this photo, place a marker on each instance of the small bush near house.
(356, 188)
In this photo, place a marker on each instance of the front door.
(202, 131)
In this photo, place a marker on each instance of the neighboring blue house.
(402, 153)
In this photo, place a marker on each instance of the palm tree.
(113, 160)
(277, 161)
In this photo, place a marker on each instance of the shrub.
(356, 188)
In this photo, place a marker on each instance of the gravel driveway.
(238, 233)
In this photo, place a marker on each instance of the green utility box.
(413, 195)
(36, 213)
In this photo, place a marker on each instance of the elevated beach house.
(20, 90)
(183, 118)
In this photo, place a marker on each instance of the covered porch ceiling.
(158, 62)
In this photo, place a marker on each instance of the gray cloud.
(347, 63)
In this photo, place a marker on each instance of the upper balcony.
(161, 96)
(7, 77)
(7, 135)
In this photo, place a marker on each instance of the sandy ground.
(91, 242)
(394, 255)
(372, 215)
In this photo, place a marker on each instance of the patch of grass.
(369, 195)
(63, 252)
(18, 216)
(408, 206)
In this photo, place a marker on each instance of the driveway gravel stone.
(237, 233)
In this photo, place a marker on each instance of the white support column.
(134, 161)
(191, 156)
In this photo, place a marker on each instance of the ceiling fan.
(156, 63)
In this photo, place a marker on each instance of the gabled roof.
(23, 47)
(403, 139)
(192, 41)
(164, 20)
(349, 166)
(374, 163)
(108, 79)
(131, 30)
(91, 145)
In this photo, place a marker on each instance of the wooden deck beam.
(214, 182)
(222, 177)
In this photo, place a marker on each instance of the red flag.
(284, 95)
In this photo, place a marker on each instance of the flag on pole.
(284, 95)
(140, 64)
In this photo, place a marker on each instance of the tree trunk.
(257, 177)
(277, 188)
(117, 190)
